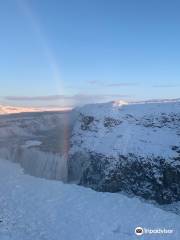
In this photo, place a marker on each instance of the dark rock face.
(153, 179)
(111, 122)
(86, 121)
(76, 164)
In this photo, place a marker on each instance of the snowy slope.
(133, 147)
(39, 209)
(149, 128)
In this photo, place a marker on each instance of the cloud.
(94, 82)
(166, 86)
(35, 98)
(61, 97)
(120, 84)
(66, 100)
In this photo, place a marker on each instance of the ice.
(31, 143)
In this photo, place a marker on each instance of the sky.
(68, 53)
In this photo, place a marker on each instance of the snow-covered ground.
(38, 209)
(5, 109)
(32, 143)
(142, 128)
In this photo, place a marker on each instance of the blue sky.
(66, 52)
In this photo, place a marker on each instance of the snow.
(137, 109)
(32, 143)
(39, 209)
(132, 135)
(5, 109)
(38, 163)
(37, 141)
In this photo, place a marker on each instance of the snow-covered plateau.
(128, 152)
(39, 209)
(128, 147)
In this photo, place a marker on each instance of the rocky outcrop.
(133, 148)
(151, 178)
